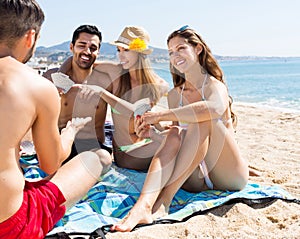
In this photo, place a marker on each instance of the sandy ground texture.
(270, 140)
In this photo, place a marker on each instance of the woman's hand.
(141, 129)
(149, 118)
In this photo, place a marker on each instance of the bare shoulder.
(40, 84)
(173, 98)
(22, 75)
(216, 91)
(113, 69)
(214, 85)
(27, 99)
(45, 95)
(107, 66)
(163, 85)
(100, 78)
(26, 87)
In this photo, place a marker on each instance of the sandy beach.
(269, 139)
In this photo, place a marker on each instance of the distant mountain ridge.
(109, 51)
(106, 49)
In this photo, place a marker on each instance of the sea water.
(272, 82)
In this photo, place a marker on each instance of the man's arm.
(51, 148)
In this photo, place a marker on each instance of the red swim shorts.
(41, 209)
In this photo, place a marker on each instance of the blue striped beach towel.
(111, 199)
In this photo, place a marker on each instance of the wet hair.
(146, 76)
(17, 17)
(206, 60)
(90, 29)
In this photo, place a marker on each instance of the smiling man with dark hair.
(85, 47)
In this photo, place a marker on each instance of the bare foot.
(253, 172)
(137, 215)
(161, 206)
(160, 212)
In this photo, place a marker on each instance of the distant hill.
(105, 50)
(62, 51)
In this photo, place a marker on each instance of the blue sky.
(229, 27)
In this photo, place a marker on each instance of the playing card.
(141, 109)
(142, 106)
(62, 81)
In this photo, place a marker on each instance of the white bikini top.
(185, 124)
(202, 92)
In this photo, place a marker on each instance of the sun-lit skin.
(128, 58)
(35, 115)
(205, 136)
(130, 77)
(86, 50)
(182, 55)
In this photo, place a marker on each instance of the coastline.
(269, 139)
(268, 107)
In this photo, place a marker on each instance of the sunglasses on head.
(183, 28)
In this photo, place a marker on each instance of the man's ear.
(30, 38)
(71, 46)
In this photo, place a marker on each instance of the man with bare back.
(30, 102)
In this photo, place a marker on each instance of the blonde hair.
(147, 79)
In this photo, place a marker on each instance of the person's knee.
(238, 185)
(90, 162)
(241, 181)
(105, 159)
(174, 137)
(170, 146)
(236, 182)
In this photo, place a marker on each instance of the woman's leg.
(192, 151)
(216, 145)
(77, 176)
(159, 172)
(227, 169)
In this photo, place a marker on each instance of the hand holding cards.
(62, 81)
(142, 106)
